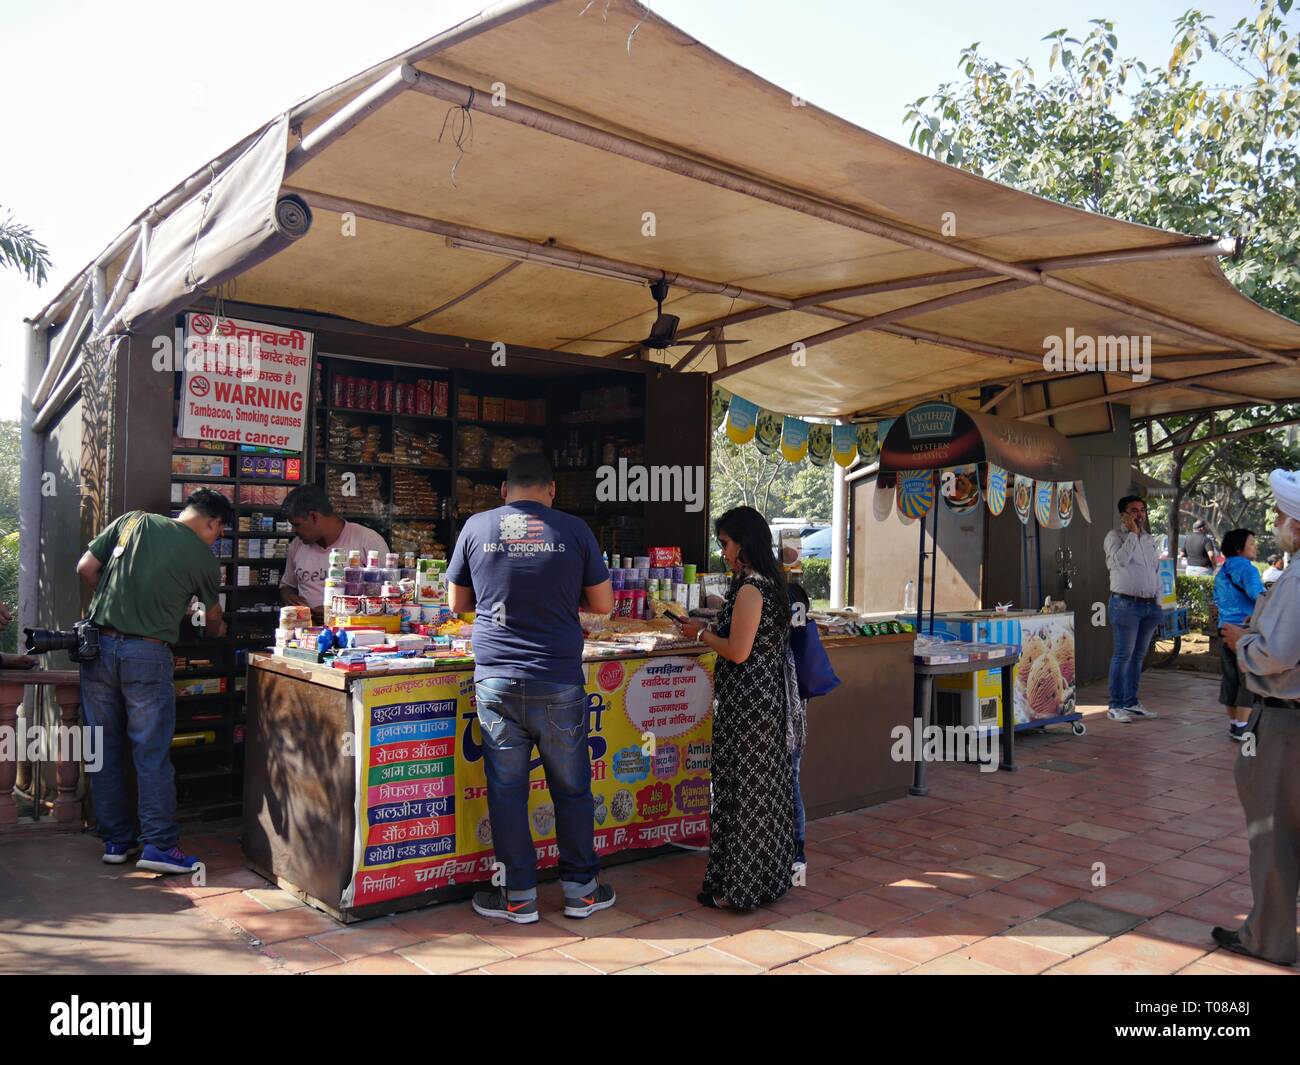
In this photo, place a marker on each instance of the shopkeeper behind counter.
(318, 532)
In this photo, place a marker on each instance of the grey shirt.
(1131, 559)
(1269, 654)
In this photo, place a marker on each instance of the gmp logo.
(79, 1018)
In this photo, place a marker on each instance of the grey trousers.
(1268, 783)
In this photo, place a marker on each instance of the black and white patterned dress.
(751, 817)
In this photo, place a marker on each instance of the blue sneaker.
(120, 853)
(169, 861)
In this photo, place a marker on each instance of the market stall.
(365, 793)
(406, 438)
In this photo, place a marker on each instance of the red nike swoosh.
(515, 908)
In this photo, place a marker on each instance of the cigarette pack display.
(494, 409)
(516, 411)
(192, 686)
(200, 466)
(665, 556)
(467, 405)
(267, 495)
(536, 412)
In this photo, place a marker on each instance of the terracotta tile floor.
(1113, 852)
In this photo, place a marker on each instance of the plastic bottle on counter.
(373, 575)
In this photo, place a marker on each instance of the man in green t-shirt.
(151, 575)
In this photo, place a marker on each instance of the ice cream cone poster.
(915, 494)
(767, 431)
(1044, 677)
(819, 445)
(882, 500)
(741, 418)
(996, 493)
(794, 439)
(718, 407)
(960, 488)
(844, 443)
(1022, 497)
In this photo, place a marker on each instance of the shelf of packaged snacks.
(387, 413)
(203, 478)
(387, 465)
(633, 419)
(531, 426)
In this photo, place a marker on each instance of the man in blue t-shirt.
(526, 569)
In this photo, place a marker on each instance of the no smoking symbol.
(201, 324)
(199, 387)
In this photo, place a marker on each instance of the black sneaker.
(1229, 941)
(602, 898)
(1238, 731)
(495, 904)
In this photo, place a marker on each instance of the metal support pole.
(934, 559)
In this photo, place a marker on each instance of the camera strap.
(123, 538)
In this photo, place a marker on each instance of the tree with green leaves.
(1216, 475)
(1206, 142)
(1170, 144)
(21, 251)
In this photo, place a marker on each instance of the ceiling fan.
(663, 333)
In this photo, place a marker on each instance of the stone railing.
(67, 694)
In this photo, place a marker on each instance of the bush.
(817, 577)
(1197, 594)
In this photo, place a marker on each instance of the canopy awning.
(521, 177)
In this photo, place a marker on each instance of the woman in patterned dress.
(752, 836)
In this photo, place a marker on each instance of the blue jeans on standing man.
(1133, 623)
(513, 715)
(128, 693)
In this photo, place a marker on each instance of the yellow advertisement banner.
(422, 812)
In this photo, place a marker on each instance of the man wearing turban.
(1268, 781)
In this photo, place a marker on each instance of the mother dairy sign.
(245, 382)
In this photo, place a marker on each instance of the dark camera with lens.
(81, 641)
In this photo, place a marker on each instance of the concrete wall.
(885, 556)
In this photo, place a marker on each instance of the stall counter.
(365, 795)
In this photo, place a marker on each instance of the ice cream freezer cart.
(1043, 688)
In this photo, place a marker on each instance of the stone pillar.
(67, 807)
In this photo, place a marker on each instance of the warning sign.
(245, 382)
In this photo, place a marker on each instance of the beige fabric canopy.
(601, 137)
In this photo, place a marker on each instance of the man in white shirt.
(319, 531)
(1134, 608)
(1276, 566)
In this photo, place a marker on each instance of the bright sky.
(107, 106)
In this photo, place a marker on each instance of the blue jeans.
(799, 817)
(1134, 624)
(513, 716)
(127, 693)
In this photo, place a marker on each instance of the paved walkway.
(991, 873)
